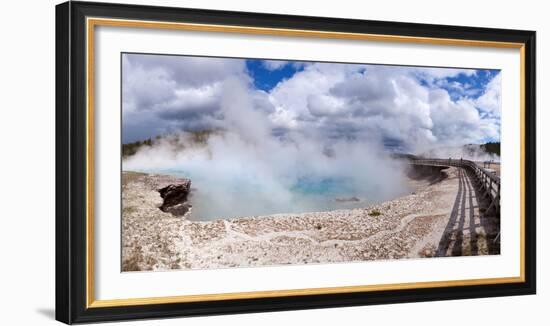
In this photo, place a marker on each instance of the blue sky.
(264, 78)
(459, 86)
(409, 108)
(474, 85)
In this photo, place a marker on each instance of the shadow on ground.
(471, 230)
(46, 312)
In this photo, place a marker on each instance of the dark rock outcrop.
(175, 198)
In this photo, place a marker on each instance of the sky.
(406, 109)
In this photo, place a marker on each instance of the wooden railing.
(485, 179)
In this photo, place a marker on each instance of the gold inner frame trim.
(301, 292)
(91, 22)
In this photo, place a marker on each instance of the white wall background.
(27, 163)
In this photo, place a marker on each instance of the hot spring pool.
(238, 196)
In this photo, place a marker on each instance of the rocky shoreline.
(411, 226)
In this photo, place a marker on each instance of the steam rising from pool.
(244, 169)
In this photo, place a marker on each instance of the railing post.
(497, 197)
(480, 174)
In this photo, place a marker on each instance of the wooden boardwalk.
(482, 179)
(474, 222)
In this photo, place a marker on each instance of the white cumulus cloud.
(407, 107)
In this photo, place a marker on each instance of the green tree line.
(493, 148)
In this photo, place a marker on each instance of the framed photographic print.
(212, 162)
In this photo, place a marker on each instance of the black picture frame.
(71, 158)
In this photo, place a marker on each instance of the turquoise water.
(323, 186)
(239, 196)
